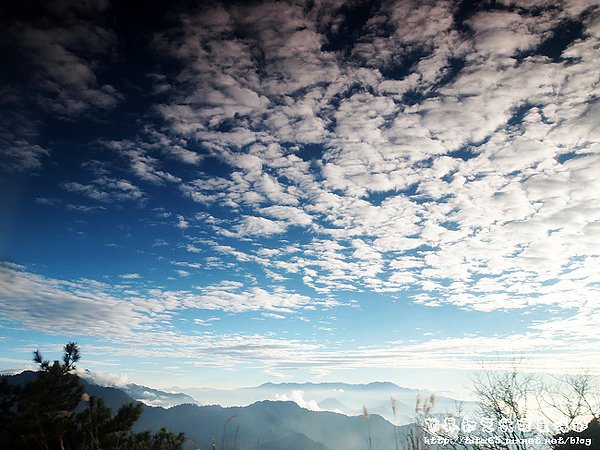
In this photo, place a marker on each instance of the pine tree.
(44, 409)
(42, 414)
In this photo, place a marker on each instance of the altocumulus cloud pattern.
(302, 187)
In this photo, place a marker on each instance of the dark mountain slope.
(265, 425)
(270, 422)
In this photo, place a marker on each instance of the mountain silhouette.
(263, 425)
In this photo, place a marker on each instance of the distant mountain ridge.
(157, 397)
(272, 425)
(328, 396)
(264, 425)
(338, 397)
(334, 405)
(334, 385)
(144, 394)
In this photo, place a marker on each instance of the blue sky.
(226, 194)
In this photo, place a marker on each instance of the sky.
(224, 194)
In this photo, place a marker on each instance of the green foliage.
(98, 429)
(164, 439)
(43, 414)
(40, 414)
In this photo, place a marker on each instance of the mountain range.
(343, 398)
(264, 424)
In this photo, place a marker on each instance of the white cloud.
(293, 215)
(107, 190)
(192, 248)
(56, 306)
(144, 166)
(260, 226)
(504, 33)
(48, 201)
(233, 299)
(119, 380)
(182, 223)
(21, 155)
(142, 155)
(297, 396)
(130, 276)
(64, 61)
(206, 322)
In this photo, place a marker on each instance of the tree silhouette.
(53, 412)
(508, 396)
(44, 408)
